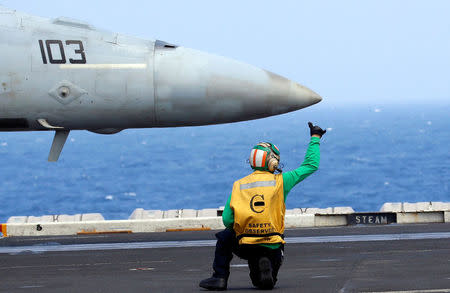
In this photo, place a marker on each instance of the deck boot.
(214, 284)
(265, 274)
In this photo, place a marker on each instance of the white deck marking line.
(209, 243)
(373, 237)
(322, 277)
(330, 259)
(413, 291)
(104, 66)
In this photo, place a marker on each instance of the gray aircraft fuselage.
(61, 75)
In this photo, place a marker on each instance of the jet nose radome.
(303, 95)
(296, 97)
(196, 88)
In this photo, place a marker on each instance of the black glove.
(314, 129)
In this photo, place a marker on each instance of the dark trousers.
(227, 244)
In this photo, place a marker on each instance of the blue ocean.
(371, 154)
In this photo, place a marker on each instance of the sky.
(347, 51)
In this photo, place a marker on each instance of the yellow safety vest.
(258, 205)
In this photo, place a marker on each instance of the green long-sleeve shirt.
(290, 179)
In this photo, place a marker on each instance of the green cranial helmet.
(265, 156)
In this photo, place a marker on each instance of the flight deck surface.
(392, 258)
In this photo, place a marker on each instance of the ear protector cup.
(272, 163)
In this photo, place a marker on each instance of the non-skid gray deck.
(371, 265)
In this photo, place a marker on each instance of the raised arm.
(310, 163)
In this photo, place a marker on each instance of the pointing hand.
(316, 130)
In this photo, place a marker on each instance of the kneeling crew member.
(254, 215)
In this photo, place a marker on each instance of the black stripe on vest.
(260, 235)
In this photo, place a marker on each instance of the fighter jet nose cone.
(315, 98)
(293, 96)
(196, 88)
(303, 96)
